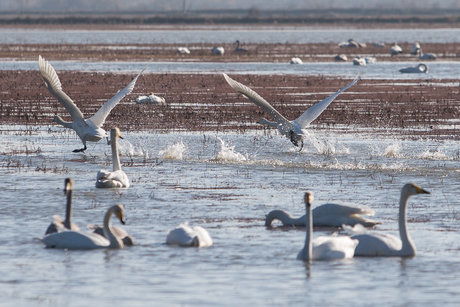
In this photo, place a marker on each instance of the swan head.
(308, 198)
(118, 211)
(422, 67)
(413, 189)
(115, 133)
(295, 138)
(68, 185)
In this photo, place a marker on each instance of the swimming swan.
(324, 247)
(88, 240)
(115, 178)
(326, 215)
(378, 244)
(118, 232)
(89, 130)
(58, 224)
(419, 69)
(290, 129)
(185, 235)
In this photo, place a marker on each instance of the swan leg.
(81, 149)
(301, 145)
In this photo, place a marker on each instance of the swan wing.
(258, 100)
(341, 210)
(330, 247)
(75, 240)
(204, 239)
(314, 111)
(373, 244)
(99, 117)
(54, 86)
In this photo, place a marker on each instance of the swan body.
(324, 247)
(185, 235)
(385, 245)
(359, 61)
(116, 178)
(426, 56)
(291, 129)
(415, 48)
(151, 99)
(118, 232)
(326, 215)
(295, 60)
(351, 43)
(419, 69)
(238, 48)
(58, 224)
(395, 49)
(71, 239)
(341, 58)
(183, 50)
(218, 50)
(88, 130)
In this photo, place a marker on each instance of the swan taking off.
(326, 215)
(377, 244)
(71, 239)
(185, 235)
(58, 224)
(291, 129)
(89, 130)
(324, 247)
(115, 178)
(419, 69)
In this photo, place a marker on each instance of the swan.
(118, 232)
(377, 244)
(58, 224)
(359, 61)
(218, 50)
(395, 49)
(151, 99)
(183, 50)
(351, 43)
(185, 235)
(341, 58)
(238, 48)
(426, 56)
(115, 178)
(415, 48)
(89, 130)
(290, 129)
(326, 215)
(420, 68)
(295, 60)
(71, 239)
(324, 247)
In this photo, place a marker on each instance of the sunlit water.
(226, 182)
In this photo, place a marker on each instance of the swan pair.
(366, 244)
(88, 130)
(293, 130)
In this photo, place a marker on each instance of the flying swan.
(116, 178)
(185, 235)
(378, 244)
(324, 247)
(291, 129)
(71, 239)
(58, 224)
(89, 130)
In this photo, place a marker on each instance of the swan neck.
(68, 211)
(285, 218)
(308, 236)
(408, 247)
(114, 241)
(115, 155)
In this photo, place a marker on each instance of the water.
(279, 34)
(226, 182)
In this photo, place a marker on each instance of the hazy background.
(41, 6)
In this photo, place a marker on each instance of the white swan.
(185, 235)
(341, 58)
(118, 232)
(151, 99)
(115, 178)
(326, 215)
(359, 61)
(89, 130)
(238, 48)
(419, 69)
(324, 247)
(58, 224)
(426, 56)
(218, 50)
(395, 49)
(183, 50)
(88, 240)
(351, 43)
(295, 60)
(378, 244)
(290, 129)
(415, 48)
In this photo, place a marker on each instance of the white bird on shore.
(183, 50)
(341, 58)
(89, 130)
(116, 178)
(324, 247)
(395, 49)
(58, 224)
(218, 50)
(419, 69)
(359, 61)
(293, 130)
(415, 48)
(151, 99)
(384, 245)
(185, 235)
(295, 60)
(71, 239)
(426, 56)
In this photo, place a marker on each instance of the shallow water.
(226, 182)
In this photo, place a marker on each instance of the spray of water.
(227, 153)
(173, 152)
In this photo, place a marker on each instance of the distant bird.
(291, 129)
(379, 45)
(116, 178)
(185, 235)
(426, 56)
(419, 69)
(395, 49)
(183, 50)
(295, 60)
(359, 61)
(370, 59)
(58, 224)
(415, 48)
(218, 50)
(341, 58)
(324, 247)
(89, 129)
(384, 245)
(151, 99)
(351, 43)
(238, 48)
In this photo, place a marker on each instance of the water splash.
(173, 152)
(125, 148)
(392, 151)
(227, 153)
(434, 155)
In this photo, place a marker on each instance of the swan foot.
(80, 150)
(301, 146)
